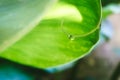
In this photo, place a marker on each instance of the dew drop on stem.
(71, 37)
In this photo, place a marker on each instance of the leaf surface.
(68, 32)
(18, 17)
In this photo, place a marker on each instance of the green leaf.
(18, 17)
(67, 33)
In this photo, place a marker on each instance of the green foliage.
(106, 2)
(66, 33)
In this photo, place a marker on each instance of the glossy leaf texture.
(68, 32)
(18, 17)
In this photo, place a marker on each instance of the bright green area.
(47, 45)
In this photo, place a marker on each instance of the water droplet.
(71, 37)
